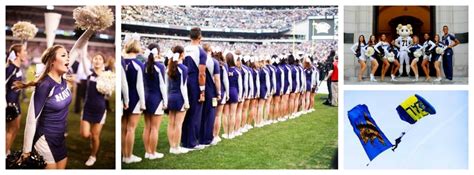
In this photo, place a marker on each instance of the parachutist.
(397, 141)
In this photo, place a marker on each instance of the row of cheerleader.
(203, 89)
(406, 50)
(44, 140)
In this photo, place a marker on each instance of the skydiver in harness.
(397, 141)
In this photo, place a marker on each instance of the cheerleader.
(178, 102)
(156, 100)
(287, 87)
(213, 95)
(375, 64)
(428, 47)
(358, 50)
(235, 92)
(396, 65)
(136, 93)
(271, 91)
(436, 55)
(415, 48)
(222, 110)
(450, 41)
(308, 72)
(248, 83)
(315, 83)
(195, 59)
(254, 102)
(244, 81)
(381, 48)
(18, 54)
(279, 78)
(302, 86)
(264, 84)
(94, 112)
(46, 122)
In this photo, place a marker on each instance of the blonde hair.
(133, 46)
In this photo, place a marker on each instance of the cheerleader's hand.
(165, 106)
(218, 97)
(201, 97)
(125, 106)
(186, 105)
(24, 156)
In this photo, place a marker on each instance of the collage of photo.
(236, 87)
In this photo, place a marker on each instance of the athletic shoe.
(90, 161)
(199, 147)
(244, 129)
(174, 151)
(214, 141)
(226, 136)
(182, 150)
(232, 135)
(156, 155)
(132, 159)
(437, 79)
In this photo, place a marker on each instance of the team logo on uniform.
(321, 27)
(368, 131)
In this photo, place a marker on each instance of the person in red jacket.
(333, 77)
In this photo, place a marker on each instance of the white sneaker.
(90, 161)
(183, 150)
(214, 141)
(156, 155)
(250, 127)
(174, 151)
(232, 135)
(373, 80)
(226, 136)
(199, 147)
(132, 159)
(393, 79)
(244, 129)
(437, 79)
(147, 155)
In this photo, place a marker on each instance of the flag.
(371, 137)
(414, 108)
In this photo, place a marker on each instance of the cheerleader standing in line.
(271, 90)
(235, 90)
(256, 92)
(308, 72)
(396, 65)
(244, 81)
(222, 110)
(156, 100)
(94, 112)
(375, 64)
(247, 96)
(264, 84)
(136, 92)
(415, 47)
(381, 48)
(358, 50)
(287, 87)
(278, 89)
(13, 74)
(302, 87)
(294, 88)
(435, 57)
(178, 103)
(213, 95)
(314, 85)
(428, 47)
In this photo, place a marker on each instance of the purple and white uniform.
(256, 83)
(46, 120)
(155, 89)
(235, 85)
(94, 104)
(177, 89)
(13, 74)
(136, 88)
(224, 75)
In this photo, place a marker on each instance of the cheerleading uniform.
(136, 88)
(428, 47)
(46, 121)
(209, 111)
(309, 79)
(435, 55)
(235, 85)
(224, 75)
(287, 83)
(256, 83)
(447, 40)
(194, 57)
(13, 74)
(279, 77)
(155, 89)
(264, 82)
(382, 45)
(177, 89)
(302, 78)
(294, 78)
(413, 49)
(94, 103)
(359, 51)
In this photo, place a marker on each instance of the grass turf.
(307, 142)
(78, 148)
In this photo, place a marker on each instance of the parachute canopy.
(371, 137)
(414, 108)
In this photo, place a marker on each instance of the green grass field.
(77, 147)
(307, 142)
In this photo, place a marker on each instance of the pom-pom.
(391, 57)
(417, 53)
(93, 17)
(439, 50)
(34, 161)
(24, 30)
(370, 51)
(106, 83)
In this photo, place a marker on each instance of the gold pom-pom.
(96, 18)
(24, 30)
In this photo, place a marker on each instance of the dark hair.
(358, 41)
(151, 60)
(229, 58)
(291, 59)
(219, 57)
(173, 65)
(195, 33)
(15, 48)
(370, 40)
(446, 26)
(47, 58)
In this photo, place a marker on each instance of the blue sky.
(437, 141)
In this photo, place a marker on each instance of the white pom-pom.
(93, 17)
(370, 51)
(106, 83)
(418, 53)
(391, 57)
(24, 30)
(439, 50)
